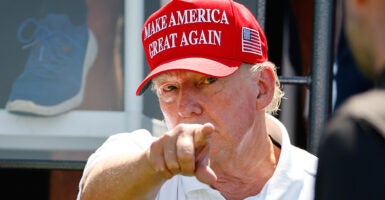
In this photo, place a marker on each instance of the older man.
(216, 88)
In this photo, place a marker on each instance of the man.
(215, 86)
(352, 150)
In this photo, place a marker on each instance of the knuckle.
(156, 160)
(165, 172)
(180, 129)
(186, 158)
(173, 166)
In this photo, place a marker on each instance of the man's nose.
(189, 103)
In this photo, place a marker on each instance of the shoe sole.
(30, 107)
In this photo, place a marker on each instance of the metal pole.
(321, 74)
(133, 67)
(261, 12)
(295, 80)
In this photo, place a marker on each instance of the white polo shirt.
(293, 178)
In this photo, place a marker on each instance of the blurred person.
(352, 149)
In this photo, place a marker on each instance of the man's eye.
(168, 88)
(210, 80)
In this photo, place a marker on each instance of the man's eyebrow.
(161, 78)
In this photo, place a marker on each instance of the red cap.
(211, 37)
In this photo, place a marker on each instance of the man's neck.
(243, 181)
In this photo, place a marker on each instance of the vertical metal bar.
(261, 12)
(133, 67)
(321, 73)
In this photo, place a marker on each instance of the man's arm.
(139, 174)
(110, 171)
(120, 177)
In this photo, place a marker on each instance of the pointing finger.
(203, 134)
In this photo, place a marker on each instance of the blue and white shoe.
(55, 73)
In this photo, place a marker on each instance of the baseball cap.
(210, 37)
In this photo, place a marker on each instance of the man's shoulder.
(140, 138)
(370, 101)
(366, 108)
(305, 160)
(135, 141)
(140, 134)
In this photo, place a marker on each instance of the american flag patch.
(251, 41)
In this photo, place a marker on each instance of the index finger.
(203, 134)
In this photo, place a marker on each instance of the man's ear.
(265, 80)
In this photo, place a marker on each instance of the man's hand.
(184, 150)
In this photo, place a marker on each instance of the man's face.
(228, 103)
(359, 35)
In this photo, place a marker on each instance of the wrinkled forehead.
(186, 74)
(178, 75)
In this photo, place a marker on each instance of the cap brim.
(212, 67)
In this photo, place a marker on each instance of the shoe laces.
(48, 45)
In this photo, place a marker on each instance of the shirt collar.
(192, 186)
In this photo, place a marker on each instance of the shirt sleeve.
(132, 142)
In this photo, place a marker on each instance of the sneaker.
(55, 73)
